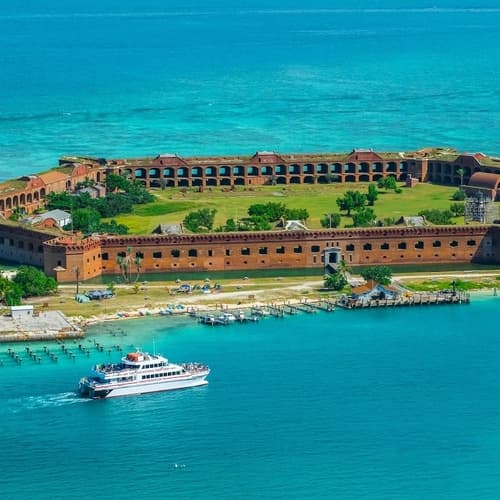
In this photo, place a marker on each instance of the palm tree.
(461, 173)
(138, 266)
(335, 281)
(343, 268)
(125, 261)
(120, 260)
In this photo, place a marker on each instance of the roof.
(412, 221)
(294, 225)
(370, 285)
(21, 308)
(364, 155)
(484, 180)
(169, 160)
(266, 157)
(53, 176)
(56, 214)
(88, 189)
(10, 187)
(169, 229)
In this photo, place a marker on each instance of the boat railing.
(194, 367)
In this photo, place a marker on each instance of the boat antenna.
(154, 346)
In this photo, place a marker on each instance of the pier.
(416, 299)
(44, 326)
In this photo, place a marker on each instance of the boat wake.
(17, 405)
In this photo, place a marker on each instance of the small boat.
(141, 373)
(227, 317)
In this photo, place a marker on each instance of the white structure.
(20, 312)
(60, 217)
(294, 225)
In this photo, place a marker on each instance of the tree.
(34, 282)
(114, 204)
(331, 220)
(86, 220)
(438, 217)
(458, 209)
(117, 182)
(112, 227)
(389, 221)
(461, 173)
(61, 201)
(458, 195)
(380, 274)
(124, 261)
(111, 286)
(201, 220)
(296, 214)
(255, 223)
(138, 265)
(230, 226)
(372, 194)
(387, 183)
(363, 217)
(335, 281)
(10, 292)
(351, 201)
(270, 211)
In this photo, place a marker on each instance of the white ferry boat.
(140, 373)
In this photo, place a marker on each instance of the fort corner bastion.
(66, 256)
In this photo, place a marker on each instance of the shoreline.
(220, 307)
(153, 299)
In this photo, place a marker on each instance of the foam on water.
(28, 403)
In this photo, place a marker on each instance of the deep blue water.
(123, 78)
(393, 403)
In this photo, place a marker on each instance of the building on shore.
(442, 166)
(69, 257)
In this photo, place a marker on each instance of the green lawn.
(172, 205)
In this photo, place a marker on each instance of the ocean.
(133, 79)
(393, 403)
(388, 403)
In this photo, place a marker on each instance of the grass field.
(172, 205)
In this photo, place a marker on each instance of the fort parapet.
(69, 258)
(443, 166)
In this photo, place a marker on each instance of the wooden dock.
(416, 299)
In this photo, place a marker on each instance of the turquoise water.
(124, 78)
(390, 403)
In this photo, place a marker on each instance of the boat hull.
(102, 391)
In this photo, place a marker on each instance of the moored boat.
(141, 373)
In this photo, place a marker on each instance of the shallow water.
(379, 403)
